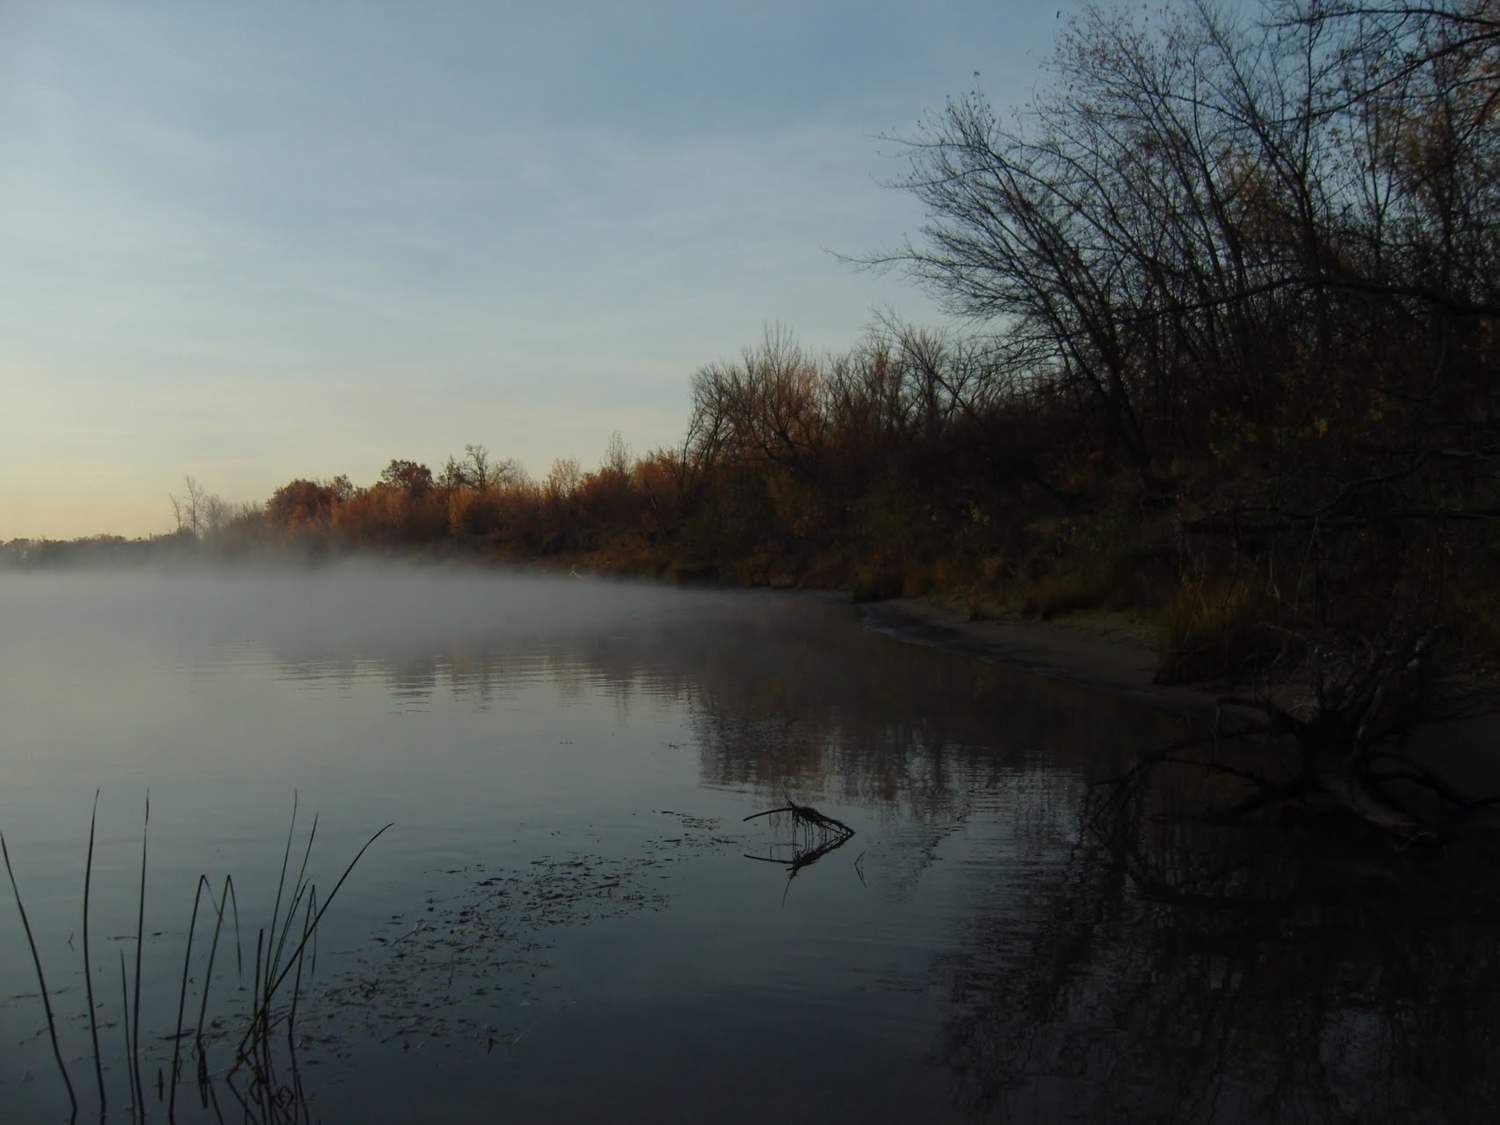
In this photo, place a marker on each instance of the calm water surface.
(565, 922)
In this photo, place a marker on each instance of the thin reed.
(88, 977)
(36, 960)
(140, 942)
(282, 947)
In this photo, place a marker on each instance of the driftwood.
(1343, 748)
(1352, 720)
(814, 835)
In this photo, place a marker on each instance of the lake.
(570, 918)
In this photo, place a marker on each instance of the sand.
(1116, 660)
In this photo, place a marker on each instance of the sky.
(251, 242)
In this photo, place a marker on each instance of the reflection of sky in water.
(500, 724)
(592, 748)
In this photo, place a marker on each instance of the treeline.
(1255, 252)
(899, 465)
(1235, 278)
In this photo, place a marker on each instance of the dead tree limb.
(1342, 745)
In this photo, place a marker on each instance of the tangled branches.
(1342, 753)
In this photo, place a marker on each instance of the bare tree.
(191, 510)
(217, 514)
(477, 462)
(617, 457)
(1203, 206)
(480, 470)
(766, 408)
(200, 513)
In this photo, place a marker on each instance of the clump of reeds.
(281, 948)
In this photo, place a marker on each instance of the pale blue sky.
(257, 241)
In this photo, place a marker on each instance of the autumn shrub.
(1217, 628)
(1055, 595)
(874, 582)
(474, 512)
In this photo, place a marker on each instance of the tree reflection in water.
(1159, 969)
(1301, 970)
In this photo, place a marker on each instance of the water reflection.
(989, 944)
(784, 692)
(1177, 971)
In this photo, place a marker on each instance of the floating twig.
(815, 835)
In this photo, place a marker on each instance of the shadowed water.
(563, 923)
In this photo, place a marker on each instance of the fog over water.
(564, 924)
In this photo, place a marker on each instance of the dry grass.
(1099, 587)
(1216, 630)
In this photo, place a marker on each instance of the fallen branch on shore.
(1343, 749)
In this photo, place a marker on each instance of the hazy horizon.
(255, 244)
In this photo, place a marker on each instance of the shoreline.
(1463, 749)
(1110, 661)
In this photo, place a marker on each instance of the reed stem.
(187, 956)
(131, 1074)
(41, 979)
(140, 941)
(88, 964)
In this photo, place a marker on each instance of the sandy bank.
(1114, 661)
